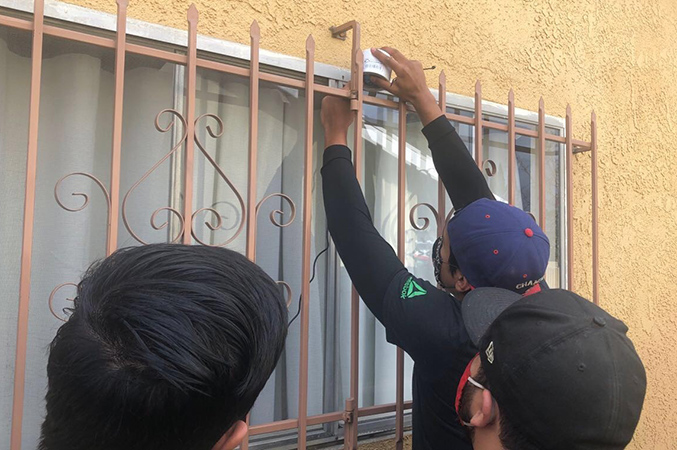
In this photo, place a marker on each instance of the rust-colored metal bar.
(541, 164)
(113, 213)
(350, 442)
(14, 22)
(255, 37)
(191, 75)
(478, 124)
(401, 251)
(381, 409)
(511, 147)
(595, 205)
(227, 68)
(461, 119)
(73, 35)
(356, 99)
(441, 192)
(580, 146)
(305, 268)
(381, 102)
(494, 126)
(281, 425)
(341, 31)
(570, 200)
(176, 58)
(336, 92)
(281, 80)
(27, 239)
(288, 424)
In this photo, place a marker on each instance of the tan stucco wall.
(616, 56)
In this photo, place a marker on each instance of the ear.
(484, 416)
(461, 283)
(233, 437)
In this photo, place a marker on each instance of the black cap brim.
(481, 306)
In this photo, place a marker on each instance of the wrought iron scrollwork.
(64, 317)
(278, 212)
(489, 167)
(280, 224)
(84, 196)
(219, 219)
(287, 289)
(184, 135)
(426, 221)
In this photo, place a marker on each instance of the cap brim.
(481, 306)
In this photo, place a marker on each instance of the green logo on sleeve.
(412, 289)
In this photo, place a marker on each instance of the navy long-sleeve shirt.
(424, 321)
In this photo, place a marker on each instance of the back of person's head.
(167, 347)
(498, 245)
(556, 369)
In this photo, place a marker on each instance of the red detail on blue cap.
(529, 232)
(487, 216)
(495, 252)
(533, 290)
(524, 276)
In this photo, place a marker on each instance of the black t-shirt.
(421, 319)
(426, 323)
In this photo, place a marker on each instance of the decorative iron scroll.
(287, 289)
(175, 149)
(279, 212)
(84, 196)
(489, 167)
(219, 223)
(280, 224)
(63, 318)
(426, 221)
(213, 226)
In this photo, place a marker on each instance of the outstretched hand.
(336, 118)
(409, 83)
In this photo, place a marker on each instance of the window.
(73, 175)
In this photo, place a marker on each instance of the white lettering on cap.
(490, 352)
(529, 283)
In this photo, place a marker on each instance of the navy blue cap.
(498, 245)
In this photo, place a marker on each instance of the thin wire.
(311, 280)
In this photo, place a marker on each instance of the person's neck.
(486, 439)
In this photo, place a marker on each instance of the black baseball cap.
(561, 368)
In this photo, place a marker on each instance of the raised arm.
(462, 178)
(371, 262)
(425, 321)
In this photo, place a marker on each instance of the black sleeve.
(423, 320)
(371, 262)
(462, 178)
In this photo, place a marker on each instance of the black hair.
(510, 436)
(166, 348)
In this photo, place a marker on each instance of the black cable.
(311, 280)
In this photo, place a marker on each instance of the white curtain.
(14, 92)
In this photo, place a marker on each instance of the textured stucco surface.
(618, 57)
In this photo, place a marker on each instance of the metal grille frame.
(191, 61)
